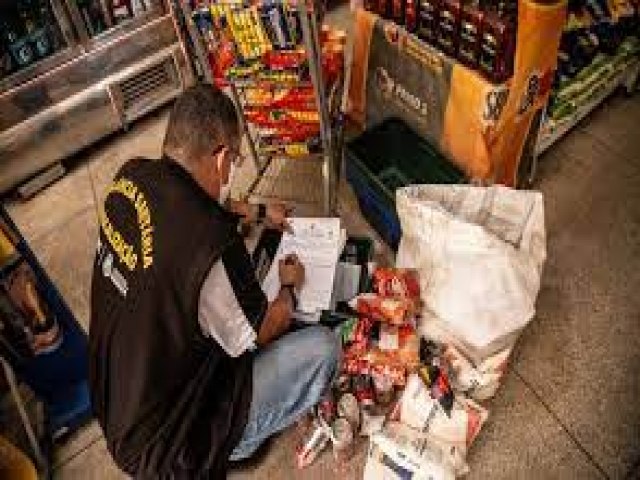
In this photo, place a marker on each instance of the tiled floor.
(569, 407)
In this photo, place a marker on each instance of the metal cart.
(206, 37)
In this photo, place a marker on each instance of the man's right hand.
(291, 271)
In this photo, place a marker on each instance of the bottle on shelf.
(470, 34)
(20, 49)
(370, 5)
(38, 30)
(384, 8)
(497, 47)
(428, 20)
(449, 27)
(397, 11)
(411, 15)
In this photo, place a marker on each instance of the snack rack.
(269, 56)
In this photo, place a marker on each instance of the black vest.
(171, 403)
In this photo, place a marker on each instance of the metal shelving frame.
(545, 139)
(236, 90)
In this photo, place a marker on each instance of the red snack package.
(281, 60)
(285, 120)
(396, 311)
(295, 98)
(282, 135)
(220, 61)
(396, 282)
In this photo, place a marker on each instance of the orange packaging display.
(480, 126)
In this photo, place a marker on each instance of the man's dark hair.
(202, 120)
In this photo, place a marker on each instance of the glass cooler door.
(34, 35)
(100, 19)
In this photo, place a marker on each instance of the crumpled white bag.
(480, 253)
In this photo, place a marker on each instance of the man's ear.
(221, 164)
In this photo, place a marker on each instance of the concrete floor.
(570, 404)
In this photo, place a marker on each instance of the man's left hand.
(276, 217)
(275, 214)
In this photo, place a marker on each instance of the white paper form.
(318, 243)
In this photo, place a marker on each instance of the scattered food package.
(455, 427)
(415, 398)
(399, 452)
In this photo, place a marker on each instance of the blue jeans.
(289, 377)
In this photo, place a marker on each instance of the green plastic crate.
(387, 157)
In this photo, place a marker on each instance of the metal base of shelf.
(626, 78)
(295, 181)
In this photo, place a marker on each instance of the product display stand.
(479, 123)
(203, 63)
(626, 79)
(599, 55)
(267, 161)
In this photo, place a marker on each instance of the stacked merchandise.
(414, 398)
(599, 44)
(479, 33)
(259, 48)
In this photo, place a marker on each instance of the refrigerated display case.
(73, 71)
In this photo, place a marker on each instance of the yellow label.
(125, 251)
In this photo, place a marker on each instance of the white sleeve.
(220, 315)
